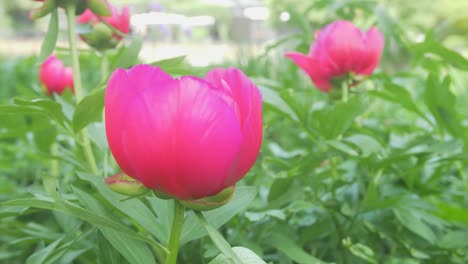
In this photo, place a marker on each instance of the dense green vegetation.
(381, 178)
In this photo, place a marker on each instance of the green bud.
(100, 37)
(124, 184)
(99, 7)
(210, 202)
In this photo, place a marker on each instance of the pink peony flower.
(341, 48)
(188, 138)
(54, 76)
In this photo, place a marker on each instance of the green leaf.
(451, 212)
(454, 240)
(343, 147)
(441, 102)
(133, 250)
(272, 98)
(129, 55)
(288, 247)
(245, 255)
(300, 20)
(397, 94)
(334, 120)
(45, 107)
(447, 55)
(218, 240)
(174, 66)
(410, 220)
(367, 144)
(50, 40)
(360, 250)
(219, 216)
(89, 110)
(41, 255)
(79, 212)
(133, 208)
(107, 253)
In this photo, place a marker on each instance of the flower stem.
(54, 163)
(344, 91)
(104, 66)
(176, 230)
(88, 151)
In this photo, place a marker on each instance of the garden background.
(379, 178)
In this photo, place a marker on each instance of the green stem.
(104, 67)
(70, 10)
(88, 151)
(54, 163)
(176, 230)
(344, 91)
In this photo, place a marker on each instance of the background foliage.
(382, 178)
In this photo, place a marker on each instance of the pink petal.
(311, 66)
(374, 46)
(249, 101)
(344, 44)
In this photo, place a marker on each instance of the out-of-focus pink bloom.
(118, 20)
(341, 48)
(54, 76)
(187, 138)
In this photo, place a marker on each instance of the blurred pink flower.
(341, 48)
(188, 138)
(54, 76)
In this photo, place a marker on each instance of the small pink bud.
(54, 76)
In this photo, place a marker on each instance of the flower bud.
(342, 52)
(103, 36)
(54, 76)
(123, 184)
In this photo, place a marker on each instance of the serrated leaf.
(88, 110)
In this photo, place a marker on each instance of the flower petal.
(343, 42)
(312, 68)
(249, 100)
(374, 46)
